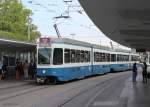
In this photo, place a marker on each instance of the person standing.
(134, 72)
(144, 73)
(25, 69)
(17, 69)
(1, 70)
(31, 70)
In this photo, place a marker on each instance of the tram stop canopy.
(11, 50)
(16, 45)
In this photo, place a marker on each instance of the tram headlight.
(44, 71)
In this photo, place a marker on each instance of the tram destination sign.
(45, 42)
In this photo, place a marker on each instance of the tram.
(63, 59)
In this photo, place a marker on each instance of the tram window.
(88, 56)
(58, 56)
(107, 57)
(127, 58)
(44, 55)
(118, 57)
(96, 56)
(133, 58)
(122, 58)
(77, 56)
(103, 57)
(67, 55)
(113, 57)
(100, 57)
(73, 58)
(82, 56)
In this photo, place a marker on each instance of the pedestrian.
(21, 70)
(25, 69)
(144, 72)
(134, 72)
(4, 70)
(1, 70)
(17, 69)
(32, 69)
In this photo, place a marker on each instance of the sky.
(78, 26)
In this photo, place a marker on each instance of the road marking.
(106, 103)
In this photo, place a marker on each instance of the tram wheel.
(112, 70)
(51, 80)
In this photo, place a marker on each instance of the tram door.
(9, 62)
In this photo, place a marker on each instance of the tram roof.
(16, 45)
(81, 43)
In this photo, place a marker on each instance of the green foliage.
(14, 21)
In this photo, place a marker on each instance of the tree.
(14, 21)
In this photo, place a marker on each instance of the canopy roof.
(124, 21)
(16, 45)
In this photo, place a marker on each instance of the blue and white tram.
(62, 59)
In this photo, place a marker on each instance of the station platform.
(116, 92)
(111, 90)
(136, 94)
(14, 83)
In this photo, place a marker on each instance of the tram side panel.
(73, 66)
(64, 62)
(101, 62)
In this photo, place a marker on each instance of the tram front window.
(44, 55)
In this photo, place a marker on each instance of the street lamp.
(29, 28)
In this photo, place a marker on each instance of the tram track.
(105, 84)
(21, 91)
(62, 93)
(13, 86)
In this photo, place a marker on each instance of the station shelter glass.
(10, 51)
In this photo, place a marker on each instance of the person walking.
(144, 73)
(134, 72)
(31, 70)
(25, 69)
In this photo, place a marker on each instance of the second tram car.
(62, 59)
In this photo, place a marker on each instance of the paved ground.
(111, 90)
